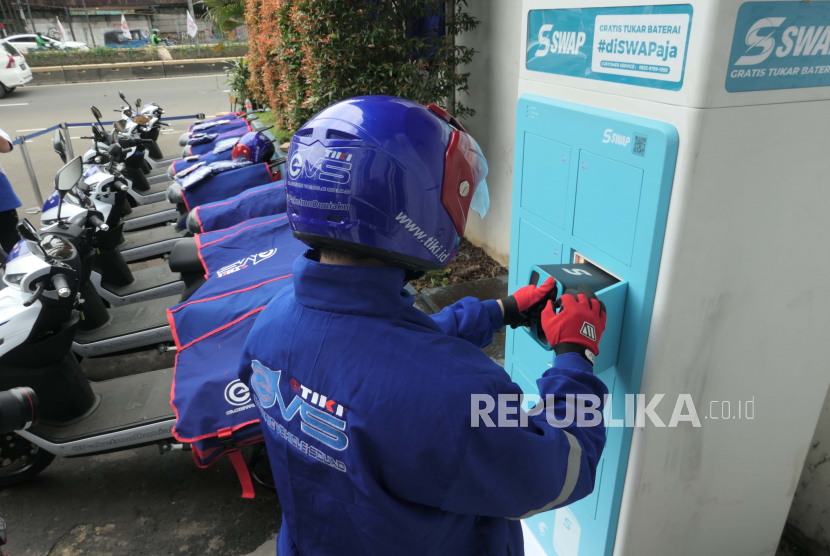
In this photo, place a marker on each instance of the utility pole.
(5, 18)
(88, 24)
(29, 10)
(193, 15)
(69, 19)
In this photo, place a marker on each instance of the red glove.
(578, 325)
(520, 306)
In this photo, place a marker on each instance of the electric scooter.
(96, 159)
(78, 418)
(149, 116)
(111, 277)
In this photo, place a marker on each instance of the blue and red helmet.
(385, 178)
(253, 146)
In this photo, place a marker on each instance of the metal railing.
(20, 140)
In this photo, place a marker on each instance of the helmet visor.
(481, 196)
(481, 199)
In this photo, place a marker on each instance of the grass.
(268, 118)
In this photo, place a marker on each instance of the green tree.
(324, 51)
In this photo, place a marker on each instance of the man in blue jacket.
(368, 405)
(8, 202)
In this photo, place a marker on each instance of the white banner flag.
(125, 29)
(192, 29)
(62, 31)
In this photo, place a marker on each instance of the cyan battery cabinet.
(607, 197)
(597, 183)
(545, 186)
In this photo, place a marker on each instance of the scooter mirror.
(27, 231)
(69, 175)
(96, 112)
(119, 125)
(59, 145)
(138, 104)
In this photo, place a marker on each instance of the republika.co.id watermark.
(514, 410)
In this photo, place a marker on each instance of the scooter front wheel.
(20, 460)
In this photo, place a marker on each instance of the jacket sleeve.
(517, 471)
(471, 320)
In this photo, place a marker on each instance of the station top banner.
(642, 45)
(780, 45)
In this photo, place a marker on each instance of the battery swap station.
(652, 161)
(607, 219)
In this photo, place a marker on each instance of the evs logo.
(316, 423)
(329, 164)
(243, 263)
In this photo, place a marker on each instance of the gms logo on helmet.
(318, 162)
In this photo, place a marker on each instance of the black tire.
(20, 471)
(3, 90)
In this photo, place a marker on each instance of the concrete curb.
(53, 75)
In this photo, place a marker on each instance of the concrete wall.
(494, 78)
(810, 511)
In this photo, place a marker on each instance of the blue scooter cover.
(214, 411)
(234, 116)
(221, 186)
(208, 147)
(181, 164)
(264, 200)
(200, 138)
(220, 251)
(206, 171)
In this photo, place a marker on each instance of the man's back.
(366, 409)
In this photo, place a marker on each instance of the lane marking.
(36, 129)
(19, 104)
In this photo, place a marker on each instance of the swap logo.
(760, 36)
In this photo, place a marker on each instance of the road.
(137, 501)
(29, 109)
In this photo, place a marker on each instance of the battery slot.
(579, 258)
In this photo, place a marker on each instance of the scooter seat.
(185, 257)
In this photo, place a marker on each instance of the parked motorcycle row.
(72, 294)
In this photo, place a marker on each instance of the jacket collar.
(350, 289)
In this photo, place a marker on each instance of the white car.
(25, 43)
(14, 71)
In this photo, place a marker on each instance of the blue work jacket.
(8, 198)
(365, 404)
